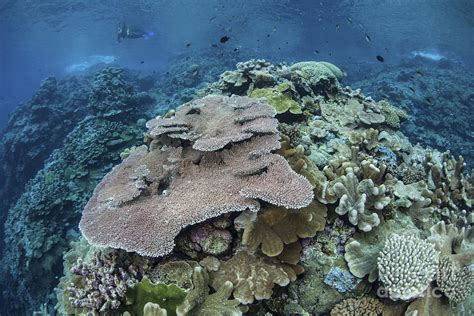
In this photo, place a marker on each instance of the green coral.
(167, 296)
(276, 98)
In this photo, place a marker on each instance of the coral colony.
(274, 190)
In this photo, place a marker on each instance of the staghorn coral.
(215, 121)
(356, 198)
(365, 306)
(184, 187)
(253, 276)
(456, 283)
(276, 227)
(406, 266)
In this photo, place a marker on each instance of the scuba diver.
(125, 31)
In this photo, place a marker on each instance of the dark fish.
(380, 58)
(224, 39)
(187, 57)
(316, 51)
(188, 44)
(428, 99)
(337, 27)
(142, 62)
(268, 35)
(367, 38)
(349, 20)
(236, 49)
(419, 72)
(412, 89)
(214, 45)
(330, 54)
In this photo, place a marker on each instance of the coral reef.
(437, 98)
(43, 220)
(306, 201)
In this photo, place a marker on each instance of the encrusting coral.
(174, 187)
(406, 266)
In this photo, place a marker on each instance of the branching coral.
(356, 198)
(177, 187)
(456, 283)
(406, 266)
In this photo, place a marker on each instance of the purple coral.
(104, 282)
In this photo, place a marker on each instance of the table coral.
(185, 187)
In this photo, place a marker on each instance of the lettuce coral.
(253, 276)
(167, 296)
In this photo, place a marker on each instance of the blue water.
(40, 38)
(367, 39)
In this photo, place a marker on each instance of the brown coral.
(365, 306)
(178, 187)
(277, 227)
(253, 276)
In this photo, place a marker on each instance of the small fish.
(380, 58)
(268, 35)
(349, 20)
(330, 54)
(316, 51)
(337, 27)
(188, 44)
(236, 49)
(419, 72)
(187, 57)
(429, 100)
(214, 45)
(212, 18)
(367, 38)
(412, 89)
(142, 62)
(195, 73)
